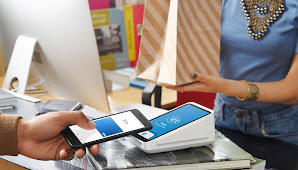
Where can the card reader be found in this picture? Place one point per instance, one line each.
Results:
(189, 125)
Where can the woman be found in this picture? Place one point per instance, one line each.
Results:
(258, 83)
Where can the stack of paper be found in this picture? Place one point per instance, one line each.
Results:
(222, 154)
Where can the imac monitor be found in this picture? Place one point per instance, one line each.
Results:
(65, 57)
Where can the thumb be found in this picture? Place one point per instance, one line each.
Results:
(199, 77)
(75, 118)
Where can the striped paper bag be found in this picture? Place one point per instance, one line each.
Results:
(179, 37)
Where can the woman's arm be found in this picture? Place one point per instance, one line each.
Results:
(284, 91)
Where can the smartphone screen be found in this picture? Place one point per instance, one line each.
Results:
(108, 126)
(173, 120)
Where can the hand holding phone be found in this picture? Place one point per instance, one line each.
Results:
(107, 128)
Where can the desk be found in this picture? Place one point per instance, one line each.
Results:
(116, 99)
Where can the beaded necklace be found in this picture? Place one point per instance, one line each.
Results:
(260, 14)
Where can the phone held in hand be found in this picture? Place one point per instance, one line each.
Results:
(107, 128)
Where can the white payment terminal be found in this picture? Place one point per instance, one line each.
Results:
(189, 125)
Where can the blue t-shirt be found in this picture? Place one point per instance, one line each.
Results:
(265, 60)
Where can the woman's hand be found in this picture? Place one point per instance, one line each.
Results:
(39, 137)
(203, 84)
(214, 84)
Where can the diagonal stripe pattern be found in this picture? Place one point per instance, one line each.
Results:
(195, 46)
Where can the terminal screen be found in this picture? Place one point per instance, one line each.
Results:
(173, 120)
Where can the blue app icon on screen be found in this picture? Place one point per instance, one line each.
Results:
(107, 127)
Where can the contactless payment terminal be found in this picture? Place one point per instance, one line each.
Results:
(173, 120)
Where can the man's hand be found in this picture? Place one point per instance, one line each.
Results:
(39, 137)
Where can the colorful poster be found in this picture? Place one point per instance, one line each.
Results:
(111, 39)
(133, 22)
(102, 4)
(138, 16)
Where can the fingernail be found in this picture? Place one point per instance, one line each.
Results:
(194, 75)
(91, 124)
(63, 154)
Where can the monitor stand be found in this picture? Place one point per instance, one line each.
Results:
(20, 63)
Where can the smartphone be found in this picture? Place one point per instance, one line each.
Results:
(107, 128)
(174, 119)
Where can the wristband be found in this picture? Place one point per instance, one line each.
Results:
(253, 92)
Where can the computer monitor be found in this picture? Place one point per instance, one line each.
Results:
(66, 55)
